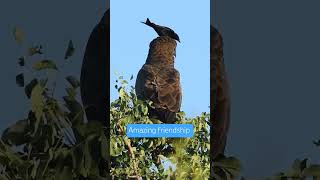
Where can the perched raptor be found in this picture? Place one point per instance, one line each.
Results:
(159, 81)
(162, 30)
(220, 98)
(94, 82)
(95, 72)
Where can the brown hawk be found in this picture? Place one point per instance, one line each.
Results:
(219, 99)
(159, 81)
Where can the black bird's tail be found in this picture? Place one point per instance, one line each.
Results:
(148, 22)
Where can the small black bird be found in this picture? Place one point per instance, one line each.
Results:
(162, 30)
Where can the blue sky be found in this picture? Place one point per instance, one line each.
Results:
(130, 42)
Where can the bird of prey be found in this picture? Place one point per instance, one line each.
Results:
(162, 30)
(94, 83)
(94, 76)
(220, 98)
(159, 81)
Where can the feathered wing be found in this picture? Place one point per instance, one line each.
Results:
(220, 98)
(144, 84)
(169, 90)
(162, 87)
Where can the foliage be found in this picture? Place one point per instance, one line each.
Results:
(146, 158)
(53, 141)
(155, 158)
(226, 168)
(300, 169)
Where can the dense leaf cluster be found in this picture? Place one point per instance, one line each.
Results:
(155, 158)
(53, 141)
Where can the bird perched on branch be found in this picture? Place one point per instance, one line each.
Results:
(94, 84)
(159, 81)
(94, 73)
(162, 30)
(220, 97)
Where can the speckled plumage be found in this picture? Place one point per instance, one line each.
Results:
(159, 81)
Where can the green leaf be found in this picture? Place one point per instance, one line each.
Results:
(44, 64)
(87, 157)
(28, 89)
(18, 34)
(75, 108)
(113, 151)
(122, 93)
(17, 134)
(124, 82)
(228, 163)
(71, 92)
(20, 80)
(312, 170)
(69, 51)
(37, 101)
(35, 168)
(150, 144)
(145, 110)
(73, 81)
